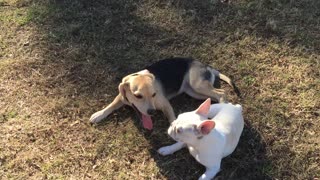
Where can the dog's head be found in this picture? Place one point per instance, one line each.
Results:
(191, 126)
(139, 90)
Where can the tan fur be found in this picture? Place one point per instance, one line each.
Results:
(204, 87)
(141, 84)
(226, 79)
(145, 85)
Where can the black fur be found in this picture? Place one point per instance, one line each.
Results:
(217, 82)
(207, 75)
(170, 72)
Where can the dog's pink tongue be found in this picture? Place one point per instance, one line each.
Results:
(147, 122)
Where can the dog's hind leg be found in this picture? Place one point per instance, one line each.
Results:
(201, 80)
(194, 94)
(98, 116)
(204, 87)
(230, 82)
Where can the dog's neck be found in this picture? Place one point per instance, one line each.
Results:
(203, 141)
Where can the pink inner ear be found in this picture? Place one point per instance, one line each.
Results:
(204, 108)
(206, 126)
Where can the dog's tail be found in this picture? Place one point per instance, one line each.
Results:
(230, 82)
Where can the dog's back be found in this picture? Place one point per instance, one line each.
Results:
(170, 72)
(229, 122)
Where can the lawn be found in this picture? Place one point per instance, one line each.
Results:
(62, 60)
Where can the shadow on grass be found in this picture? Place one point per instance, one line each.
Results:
(95, 43)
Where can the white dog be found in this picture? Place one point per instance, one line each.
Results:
(208, 140)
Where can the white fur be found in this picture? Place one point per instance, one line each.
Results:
(207, 149)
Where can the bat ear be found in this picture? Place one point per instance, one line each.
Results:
(204, 108)
(206, 126)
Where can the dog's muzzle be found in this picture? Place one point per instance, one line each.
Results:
(151, 112)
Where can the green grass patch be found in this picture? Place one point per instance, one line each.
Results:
(24, 15)
(4, 117)
(16, 16)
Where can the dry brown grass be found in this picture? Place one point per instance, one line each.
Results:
(60, 61)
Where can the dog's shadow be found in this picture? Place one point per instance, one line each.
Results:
(250, 153)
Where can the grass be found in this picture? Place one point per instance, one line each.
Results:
(60, 61)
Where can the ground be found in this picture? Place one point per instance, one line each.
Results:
(62, 60)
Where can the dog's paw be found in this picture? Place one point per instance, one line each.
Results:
(96, 117)
(203, 177)
(166, 150)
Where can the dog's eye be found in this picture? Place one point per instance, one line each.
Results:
(154, 94)
(179, 130)
(138, 96)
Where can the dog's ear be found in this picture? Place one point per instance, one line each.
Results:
(204, 108)
(122, 88)
(151, 76)
(206, 126)
(124, 85)
(145, 72)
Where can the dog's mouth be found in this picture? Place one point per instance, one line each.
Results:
(146, 120)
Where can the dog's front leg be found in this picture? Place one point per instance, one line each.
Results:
(167, 109)
(210, 172)
(116, 104)
(170, 113)
(166, 150)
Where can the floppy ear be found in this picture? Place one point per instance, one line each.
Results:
(204, 108)
(122, 87)
(151, 76)
(206, 126)
(124, 84)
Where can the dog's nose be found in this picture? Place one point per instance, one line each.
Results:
(151, 111)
